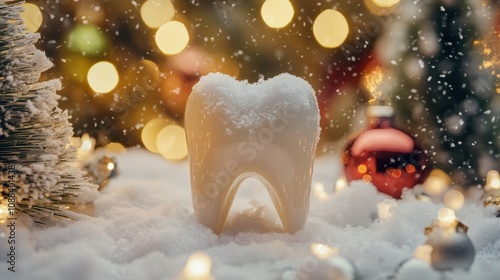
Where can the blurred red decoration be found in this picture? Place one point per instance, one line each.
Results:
(384, 155)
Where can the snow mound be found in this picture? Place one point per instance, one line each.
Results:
(144, 228)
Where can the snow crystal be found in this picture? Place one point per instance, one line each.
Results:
(144, 228)
(421, 63)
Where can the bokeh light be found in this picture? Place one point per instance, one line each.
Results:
(453, 199)
(87, 40)
(171, 142)
(150, 132)
(115, 148)
(323, 251)
(32, 16)
(319, 191)
(277, 13)
(437, 182)
(156, 13)
(382, 7)
(172, 37)
(330, 28)
(385, 3)
(198, 266)
(102, 77)
(446, 218)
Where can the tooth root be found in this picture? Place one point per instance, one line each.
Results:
(215, 186)
(212, 199)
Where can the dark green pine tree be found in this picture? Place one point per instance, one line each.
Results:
(38, 173)
(441, 91)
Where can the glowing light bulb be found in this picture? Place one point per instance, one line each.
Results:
(423, 252)
(198, 267)
(319, 191)
(277, 13)
(330, 28)
(385, 209)
(323, 251)
(492, 180)
(446, 218)
(103, 77)
(85, 147)
(340, 184)
(4, 213)
(32, 16)
(453, 199)
(110, 166)
(155, 13)
(172, 37)
(87, 143)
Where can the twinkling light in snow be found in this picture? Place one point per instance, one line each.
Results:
(340, 184)
(319, 191)
(171, 142)
(446, 218)
(323, 251)
(155, 13)
(386, 208)
(103, 77)
(198, 267)
(423, 252)
(277, 13)
(150, 133)
(330, 28)
(32, 16)
(453, 199)
(172, 37)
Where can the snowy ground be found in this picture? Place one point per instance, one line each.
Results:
(144, 228)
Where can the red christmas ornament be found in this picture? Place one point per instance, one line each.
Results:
(384, 155)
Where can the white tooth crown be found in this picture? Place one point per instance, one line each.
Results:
(268, 130)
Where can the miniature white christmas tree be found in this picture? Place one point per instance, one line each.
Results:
(37, 167)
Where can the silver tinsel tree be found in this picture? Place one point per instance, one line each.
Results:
(37, 165)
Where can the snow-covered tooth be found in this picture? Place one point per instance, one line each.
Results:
(268, 130)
